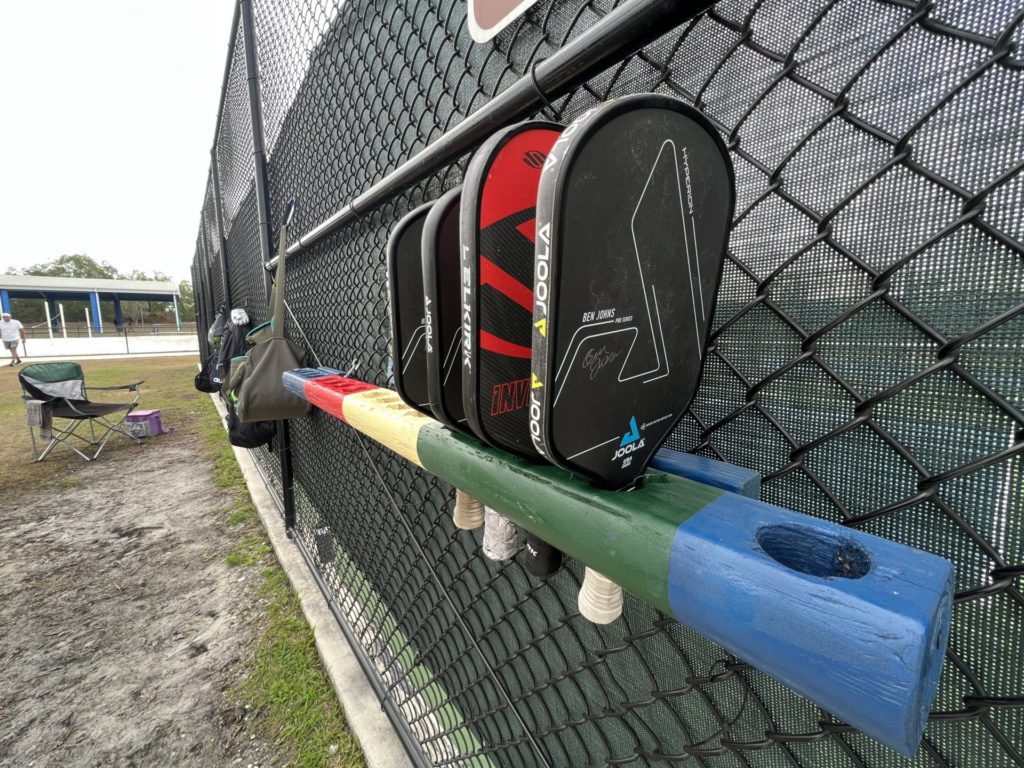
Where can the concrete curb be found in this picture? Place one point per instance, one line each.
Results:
(367, 721)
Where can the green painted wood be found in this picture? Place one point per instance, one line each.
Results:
(627, 536)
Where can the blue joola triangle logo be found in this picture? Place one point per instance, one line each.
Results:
(633, 435)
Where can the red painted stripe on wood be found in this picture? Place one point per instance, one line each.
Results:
(328, 392)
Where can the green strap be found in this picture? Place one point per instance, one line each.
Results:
(277, 292)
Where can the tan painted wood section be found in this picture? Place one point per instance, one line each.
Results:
(381, 415)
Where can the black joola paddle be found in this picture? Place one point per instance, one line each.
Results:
(443, 310)
(408, 332)
(633, 214)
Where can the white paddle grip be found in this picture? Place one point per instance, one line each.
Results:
(501, 536)
(468, 513)
(600, 599)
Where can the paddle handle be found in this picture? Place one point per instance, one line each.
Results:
(600, 598)
(468, 513)
(502, 537)
(540, 558)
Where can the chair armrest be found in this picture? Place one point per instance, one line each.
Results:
(120, 386)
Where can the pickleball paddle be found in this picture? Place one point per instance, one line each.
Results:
(408, 331)
(442, 316)
(413, 282)
(499, 195)
(633, 213)
(443, 304)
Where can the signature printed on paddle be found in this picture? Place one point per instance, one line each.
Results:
(596, 359)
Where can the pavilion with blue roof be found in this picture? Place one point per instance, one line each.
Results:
(94, 290)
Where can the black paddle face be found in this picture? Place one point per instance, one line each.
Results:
(497, 228)
(405, 286)
(633, 214)
(442, 310)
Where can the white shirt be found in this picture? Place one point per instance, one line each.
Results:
(10, 330)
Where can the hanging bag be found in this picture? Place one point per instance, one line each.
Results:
(261, 395)
(204, 379)
(251, 434)
(217, 329)
(232, 346)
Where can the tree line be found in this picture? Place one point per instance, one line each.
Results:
(31, 311)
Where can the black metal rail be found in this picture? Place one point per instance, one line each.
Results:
(622, 32)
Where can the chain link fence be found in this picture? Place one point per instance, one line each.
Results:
(867, 356)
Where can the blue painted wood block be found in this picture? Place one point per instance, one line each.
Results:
(719, 474)
(856, 623)
(295, 380)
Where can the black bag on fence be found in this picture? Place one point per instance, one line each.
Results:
(206, 380)
(249, 434)
(232, 345)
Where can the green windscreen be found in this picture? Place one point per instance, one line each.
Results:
(867, 356)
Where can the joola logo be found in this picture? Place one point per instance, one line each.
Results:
(535, 418)
(540, 311)
(631, 441)
(534, 159)
(627, 449)
(553, 156)
(633, 435)
(428, 324)
(540, 281)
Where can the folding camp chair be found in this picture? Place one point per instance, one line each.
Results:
(58, 405)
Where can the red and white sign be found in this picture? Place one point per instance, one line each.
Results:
(488, 17)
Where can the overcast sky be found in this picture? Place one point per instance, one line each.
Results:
(108, 110)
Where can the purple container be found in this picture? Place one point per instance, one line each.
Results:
(145, 423)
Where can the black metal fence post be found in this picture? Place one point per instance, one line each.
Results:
(218, 209)
(287, 493)
(256, 120)
(283, 442)
(206, 274)
(199, 300)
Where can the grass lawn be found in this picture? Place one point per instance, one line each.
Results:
(168, 386)
(284, 681)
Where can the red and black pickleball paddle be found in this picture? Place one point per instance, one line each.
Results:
(442, 302)
(408, 332)
(497, 228)
(499, 197)
(633, 214)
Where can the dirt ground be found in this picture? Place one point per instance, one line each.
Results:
(121, 626)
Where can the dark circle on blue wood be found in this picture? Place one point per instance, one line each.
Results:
(814, 551)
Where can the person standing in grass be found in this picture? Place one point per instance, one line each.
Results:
(12, 333)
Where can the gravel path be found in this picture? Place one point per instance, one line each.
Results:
(121, 627)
